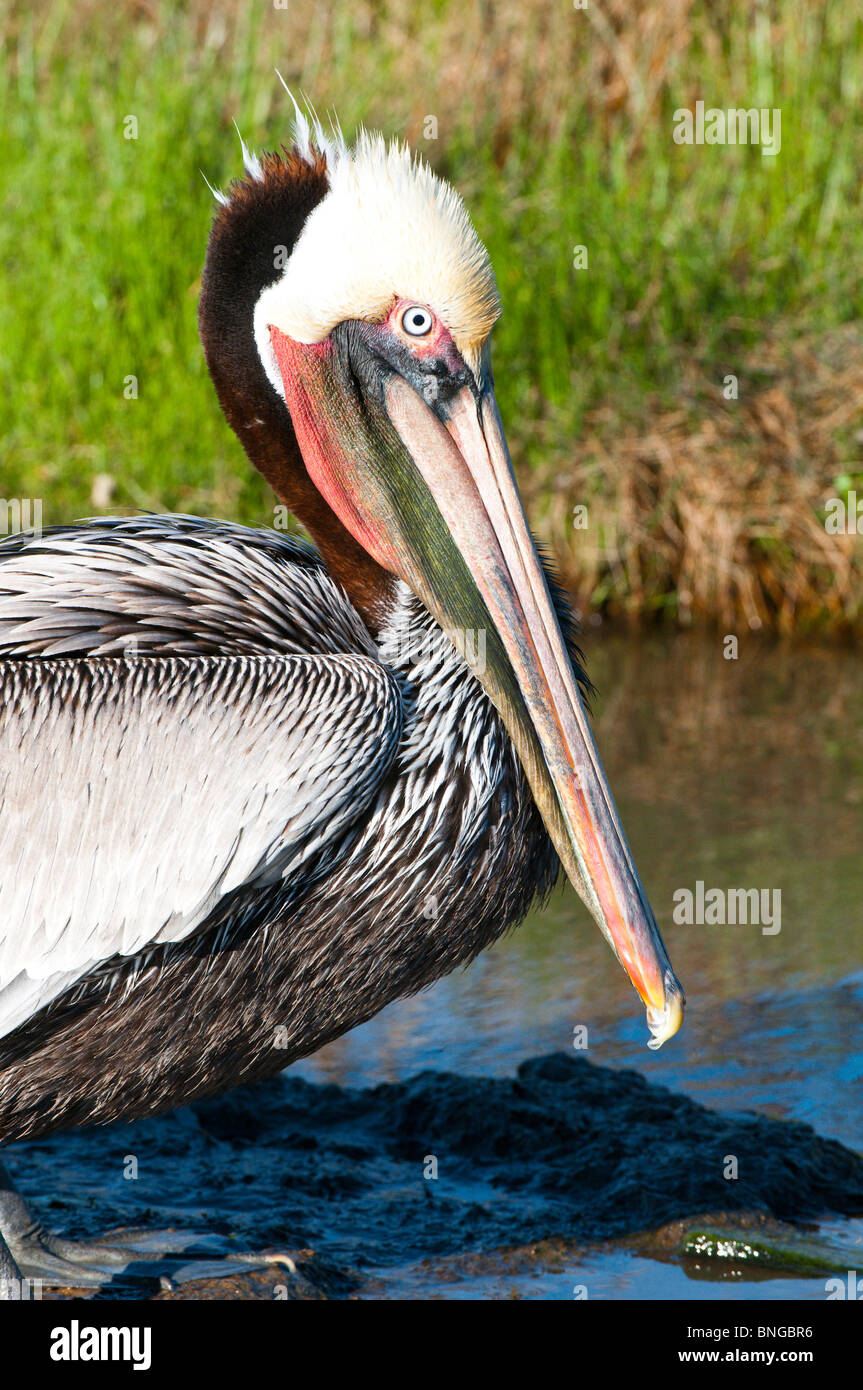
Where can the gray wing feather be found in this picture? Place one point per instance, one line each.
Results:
(134, 795)
(169, 585)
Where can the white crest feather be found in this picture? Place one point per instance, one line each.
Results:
(309, 137)
(219, 197)
(251, 163)
(388, 228)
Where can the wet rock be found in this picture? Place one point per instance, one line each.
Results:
(563, 1151)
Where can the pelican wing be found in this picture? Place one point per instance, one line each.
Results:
(169, 586)
(136, 794)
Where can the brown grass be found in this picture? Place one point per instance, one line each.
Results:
(719, 504)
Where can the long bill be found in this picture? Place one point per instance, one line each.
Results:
(431, 494)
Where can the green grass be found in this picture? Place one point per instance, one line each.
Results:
(695, 252)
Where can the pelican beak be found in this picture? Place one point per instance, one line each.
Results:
(414, 462)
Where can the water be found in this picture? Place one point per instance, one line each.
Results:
(740, 774)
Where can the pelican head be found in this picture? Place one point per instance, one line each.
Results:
(372, 382)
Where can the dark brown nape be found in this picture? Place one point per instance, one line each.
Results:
(242, 259)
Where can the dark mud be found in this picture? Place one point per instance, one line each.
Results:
(565, 1151)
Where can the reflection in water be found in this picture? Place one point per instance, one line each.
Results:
(740, 774)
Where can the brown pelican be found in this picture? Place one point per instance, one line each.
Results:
(252, 791)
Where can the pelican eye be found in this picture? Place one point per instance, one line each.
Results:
(417, 321)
